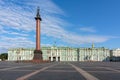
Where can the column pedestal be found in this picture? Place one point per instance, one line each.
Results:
(37, 55)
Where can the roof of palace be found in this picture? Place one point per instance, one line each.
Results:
(54, 47)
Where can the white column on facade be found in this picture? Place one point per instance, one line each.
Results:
(21, 52)
(79, 54)
(60, 54)
(66, 54)
(51, 54)
(92, 54)
(73, 55)
(89, 54)
(70, 54)
(99, 53)
(57, 55)
(85, 54)
(106, 55)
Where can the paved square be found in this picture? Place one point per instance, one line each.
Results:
(60, 71)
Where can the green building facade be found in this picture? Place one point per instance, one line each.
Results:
(61, 54)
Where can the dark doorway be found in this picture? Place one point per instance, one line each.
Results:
(58, 59)
(49, 58)
(54, 59)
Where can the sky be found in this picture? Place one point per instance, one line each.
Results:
(71, 23)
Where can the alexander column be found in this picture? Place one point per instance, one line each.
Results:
(37, 51)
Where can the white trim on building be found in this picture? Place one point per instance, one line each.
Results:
(61, 54)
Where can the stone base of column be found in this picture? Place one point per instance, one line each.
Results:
(37, 55)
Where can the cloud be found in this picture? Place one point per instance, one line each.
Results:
(80, 39)
(13, 42)
(17, 23)
(19, 15)
(2, 30)
(87, 29)
(18, 34)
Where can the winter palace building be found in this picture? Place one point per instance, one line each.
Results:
(61, 54)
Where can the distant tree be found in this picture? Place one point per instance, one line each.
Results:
(4, 56)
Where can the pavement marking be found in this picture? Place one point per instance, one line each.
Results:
(62, 67)
(111, 69)
(14, 68)
(33, 73)
(86, 75)
(102, 71)
(21, 70)
(59, 71)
